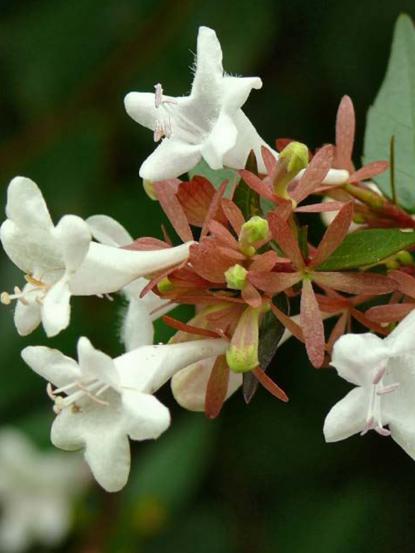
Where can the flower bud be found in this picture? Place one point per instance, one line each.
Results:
(292, 160)
(242, 354)
(236, 277)
(405, 258)
(254, 230)
(165, 285)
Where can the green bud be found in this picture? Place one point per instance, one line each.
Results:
(242, 354)
(236, 277)
(295, 154)
(165, 285)
(254, 230)
(149, 189)
(405, 258)
(392, 264)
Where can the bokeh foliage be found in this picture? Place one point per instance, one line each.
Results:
(260, 479)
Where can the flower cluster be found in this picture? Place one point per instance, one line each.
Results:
(246, 264)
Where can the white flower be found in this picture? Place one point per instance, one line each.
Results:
(62, 261)
(384, 374)
(37, 490)
(101, 402)
(208, 123)
(137, 326)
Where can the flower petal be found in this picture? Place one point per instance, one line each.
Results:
(221, 140)
(209, 70)
(141, 107)
(145, 416)
(137, 327)
(27, 316)
(237, 89)
(56, 309)
(51, 364)
(357, 357)
(171, 158)
(100, 431)
(96, 364)
(108, 231)
(401, 340)
(348, 416)
(26, 205)
(74, 237)
(190, 384)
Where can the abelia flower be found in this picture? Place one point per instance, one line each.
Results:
(37, 493)
(102, 402)
(383, 372)
(208, 123)
(62, 261)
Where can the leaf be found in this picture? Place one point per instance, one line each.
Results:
(368, 247)
(216, 177)
(245, 198)
(393, 114)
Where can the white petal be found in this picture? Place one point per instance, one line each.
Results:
(348, 416)
(141, 107)
(56, 309)
(96, 364)
(74, 237)
(237, 89)
(51, 364)
(107, 269)
(401, 340)
(145, 416)
(146, 369)
(171, 158)
(247, 139)
(35, 251)
(26, 206)
(189, 385)
(398, 406)
(108, 231)
(137, 327)
(99, 430)
(357, 357)
(221, 139)
(27, 316)
(156, 307)
(208, 66)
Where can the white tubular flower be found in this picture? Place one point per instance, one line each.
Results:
(101, 402)
(62, 261)
(383, 372)
(190, 384)
(137, 326)
(208, 123)
(37, 490)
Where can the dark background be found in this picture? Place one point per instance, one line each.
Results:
(260, 479)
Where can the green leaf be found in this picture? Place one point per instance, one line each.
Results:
(368, 247)
(393, 115)
(245, 198)
(216, 177)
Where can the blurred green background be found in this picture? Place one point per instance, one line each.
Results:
(260, 479)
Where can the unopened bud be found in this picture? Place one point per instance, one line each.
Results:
(242, 354)
(236, 277)
(165, 285)
(254, 230)
(149, 189)
(405, 258)
(295, 154)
